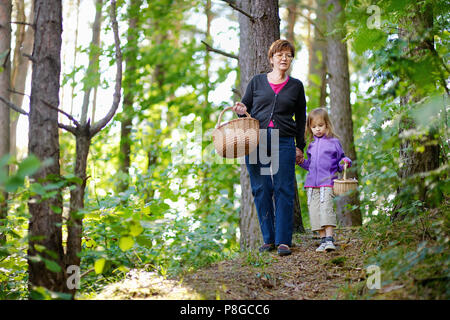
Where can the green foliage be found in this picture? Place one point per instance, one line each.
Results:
(13, 264)
(177, 216)
(412, 253)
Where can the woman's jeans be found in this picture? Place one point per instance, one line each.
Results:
(273, 186)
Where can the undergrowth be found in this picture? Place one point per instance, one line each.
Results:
(412, 256)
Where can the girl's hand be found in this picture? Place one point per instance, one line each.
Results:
(299, 157)
(346, 161)
(239, 108)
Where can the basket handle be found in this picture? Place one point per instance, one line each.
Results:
(228, 108)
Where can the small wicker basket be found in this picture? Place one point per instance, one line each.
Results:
(236, 138)
(342, 186)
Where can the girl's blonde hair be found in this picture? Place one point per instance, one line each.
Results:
(322, 114)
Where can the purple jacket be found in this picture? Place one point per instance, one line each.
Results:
(324, 155)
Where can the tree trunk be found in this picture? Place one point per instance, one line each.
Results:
(92, 70)
(290, 36)
(75, 50)
(341, 111)
(205, 200)
(5, 69)
(19, 70)
(291, 20)
(255, 40)
(298, 221)
(413, 162)
(75, 221)
(130, 76)
(317, 49)
(45, 223)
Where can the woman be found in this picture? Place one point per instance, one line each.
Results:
(273, 99)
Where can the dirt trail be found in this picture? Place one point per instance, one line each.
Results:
(303, 275)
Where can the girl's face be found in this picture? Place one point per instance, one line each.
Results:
(318, 127)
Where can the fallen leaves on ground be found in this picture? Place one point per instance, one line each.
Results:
(305, 274)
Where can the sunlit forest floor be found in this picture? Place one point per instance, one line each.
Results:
(252, 276)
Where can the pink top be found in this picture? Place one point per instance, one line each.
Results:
(276, 87)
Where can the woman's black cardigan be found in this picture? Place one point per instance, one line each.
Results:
(263, 104)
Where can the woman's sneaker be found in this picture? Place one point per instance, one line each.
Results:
(267, 247)
(283, 250)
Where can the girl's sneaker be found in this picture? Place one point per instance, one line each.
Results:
(329, 244)
(321, 248)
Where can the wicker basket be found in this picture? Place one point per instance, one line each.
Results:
(236, 138)
(344, 185)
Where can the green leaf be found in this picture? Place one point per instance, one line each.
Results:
(126, 243)
(28, 166)
(13, 183)
(56, 209)
(73, 179)
(99, 265)
(136, 229)
(38, 189)
(39, 248)
(52, 265)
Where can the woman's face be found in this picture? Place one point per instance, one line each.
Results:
(282, 60)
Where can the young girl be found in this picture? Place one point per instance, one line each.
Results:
(325, 158)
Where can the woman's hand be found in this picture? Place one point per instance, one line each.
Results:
(299, 157)
(239, 108)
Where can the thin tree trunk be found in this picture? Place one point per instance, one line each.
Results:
(75, 221)
(341, 111)
(203, 174)
(84, 134)
(19, 70)
(291, 20)
(5, 69)
(290, 36)
(75, 50)
(255, 40)
(45, 223)
(93, 66)
(317, 66)
(128, 111)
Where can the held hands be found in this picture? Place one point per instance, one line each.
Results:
(299, 157)
(239, 108)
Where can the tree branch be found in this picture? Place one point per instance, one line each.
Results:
(13, 106)
(237, 92)
(61, 111)
(96, 127)
(24, 23)
(32, 59)
(17, 92)
(311, 22)
(233, 5)
(229, 55)
(71, 129)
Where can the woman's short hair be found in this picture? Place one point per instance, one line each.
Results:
(280, 45)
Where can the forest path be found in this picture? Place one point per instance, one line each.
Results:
(253, 276)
